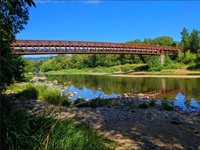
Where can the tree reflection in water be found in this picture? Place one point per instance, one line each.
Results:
(112, 85)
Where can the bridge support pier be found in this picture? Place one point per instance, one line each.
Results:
(163, 84)
(162, 59)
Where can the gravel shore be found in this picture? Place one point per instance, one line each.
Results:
(133, 129)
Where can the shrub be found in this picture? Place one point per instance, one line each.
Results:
(78, 100)
(166, 105)
(98, 102)
(51, 95)
(65, 101)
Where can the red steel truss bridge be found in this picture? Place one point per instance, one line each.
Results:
(26, 47)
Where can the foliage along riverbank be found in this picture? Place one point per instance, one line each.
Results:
(129, 69)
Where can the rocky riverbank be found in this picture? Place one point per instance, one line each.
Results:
(136, 128)
(133, 121)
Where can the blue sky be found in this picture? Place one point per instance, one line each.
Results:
(110, 21)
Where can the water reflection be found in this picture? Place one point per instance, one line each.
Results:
(186, 90)
(88, 93)
(186, 104)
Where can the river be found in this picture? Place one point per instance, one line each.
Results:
(185, 92)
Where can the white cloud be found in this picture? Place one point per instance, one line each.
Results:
(92, 1)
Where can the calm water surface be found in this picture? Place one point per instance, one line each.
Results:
(184, 91)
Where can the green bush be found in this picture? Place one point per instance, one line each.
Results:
(98, 102)
(78, 100)
(166, 105)
(65, 101)
(52, 95)
(154, 63)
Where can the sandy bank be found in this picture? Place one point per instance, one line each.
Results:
(157, 76)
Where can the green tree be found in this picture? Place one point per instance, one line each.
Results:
(163, 41)
(180, 57)
(153, 63)
(136, 59)
(37, 65)
(147, 41)
(189, 57)
(47, 66)
(28, 65)
(185, 39)
(137, 41)
(14, 15)
(194, 41)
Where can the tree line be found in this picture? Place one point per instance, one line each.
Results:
(189, 42)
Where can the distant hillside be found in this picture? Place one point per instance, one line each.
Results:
(38, 59)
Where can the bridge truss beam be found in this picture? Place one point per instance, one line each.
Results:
(26, 47)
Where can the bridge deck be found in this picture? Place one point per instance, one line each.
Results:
(25, 47)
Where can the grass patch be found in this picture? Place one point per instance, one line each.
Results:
(41, 92)
(98, 102)
(26, 131)
(106, 70)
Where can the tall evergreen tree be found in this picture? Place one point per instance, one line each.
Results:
(194, 41)
(185, 39)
